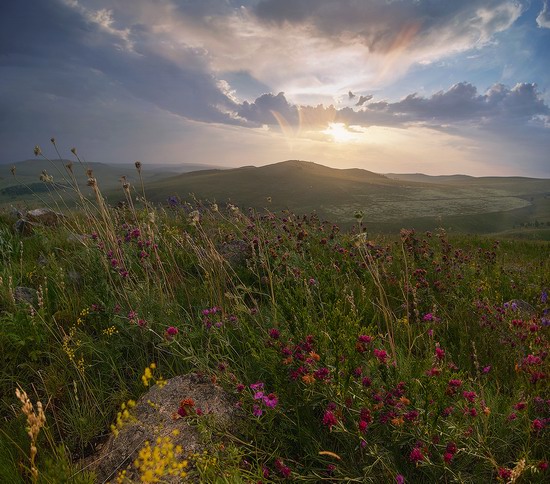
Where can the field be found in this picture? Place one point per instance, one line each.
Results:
(414, 356)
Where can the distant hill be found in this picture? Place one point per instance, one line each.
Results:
(460, 202)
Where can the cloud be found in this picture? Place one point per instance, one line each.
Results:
(364, 99)
(543, 19)
(65, 34)
(460, 103)
(383, 27)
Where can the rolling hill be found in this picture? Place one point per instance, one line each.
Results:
(461, 203)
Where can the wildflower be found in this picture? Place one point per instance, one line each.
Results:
(322, 374)
(486, 369)
(455, 383)
(271, 400)
(538, 424)
(447, 411)
(512, 416)
(282, 469)
(504, 473)
(470, 396)
(274, 333)
(258, 395)
(366, 381)
(257, 411)
(329, 419)
(439, 352)
(542, 465)
(257, 386)
(416, 455)
(382, 355)
(171, 331)
(433, 371)
(520, 406)
(448, 457)
(399, 479)
(363, 424)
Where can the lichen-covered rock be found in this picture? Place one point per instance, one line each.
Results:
(156, 415)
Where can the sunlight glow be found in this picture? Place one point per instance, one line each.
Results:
(340, 133)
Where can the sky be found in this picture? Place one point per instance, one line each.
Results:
(391, 86)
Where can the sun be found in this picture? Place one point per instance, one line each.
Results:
(340, 133)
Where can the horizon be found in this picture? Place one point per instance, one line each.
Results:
(404, 87)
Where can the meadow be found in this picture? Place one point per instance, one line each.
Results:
(417, 356)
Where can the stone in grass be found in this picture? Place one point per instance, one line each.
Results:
(24, 227)
(26, 295)
(154, 416)
(45, 216)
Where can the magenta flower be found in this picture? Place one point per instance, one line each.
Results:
(258, 395)
(399, 479)
(439, 353)
(271, 400)
(416, 455)
(538, 425)
(382, 355)
(329, 419)
(257, 411)
(171, 331)
(257, 386)
(274, 333)
(470, 396)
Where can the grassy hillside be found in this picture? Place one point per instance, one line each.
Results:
(415, 357)
(464, 204)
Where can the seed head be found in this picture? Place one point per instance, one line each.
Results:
(138, 166)
(73, 151)
(52, 139)
(37, 151)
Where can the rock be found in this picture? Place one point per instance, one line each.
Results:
(24, 227)
(25, 294)
(45, 216)
(154, 417)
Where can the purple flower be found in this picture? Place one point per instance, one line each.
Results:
(271, 400)
(257, 386)
(257, 411)
(399, 479)
(258, 395)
